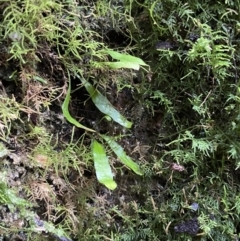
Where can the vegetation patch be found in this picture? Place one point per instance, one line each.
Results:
(119, 120)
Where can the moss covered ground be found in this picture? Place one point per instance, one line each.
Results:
(119, 120)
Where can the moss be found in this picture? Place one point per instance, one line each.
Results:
(184, 110)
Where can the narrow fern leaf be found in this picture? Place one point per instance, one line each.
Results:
(102, 167)
(103, 104)
(125, 60)
(119, 65)
(66, 113)
(126, 57)
(121, 154)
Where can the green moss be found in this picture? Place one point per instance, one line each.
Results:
(189, 104)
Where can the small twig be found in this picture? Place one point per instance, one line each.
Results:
(205, 98)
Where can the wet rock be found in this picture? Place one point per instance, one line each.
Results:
(190, 226)
(194, 206)
(193, 37)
